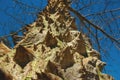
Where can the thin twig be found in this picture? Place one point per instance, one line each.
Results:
(99, 13)
(82, 18)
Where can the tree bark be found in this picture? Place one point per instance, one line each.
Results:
(52, 49)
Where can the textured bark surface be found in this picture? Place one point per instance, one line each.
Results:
(52, 49)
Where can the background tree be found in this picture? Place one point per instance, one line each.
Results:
(97, 19)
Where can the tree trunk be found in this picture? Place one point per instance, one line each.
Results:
(52, 49)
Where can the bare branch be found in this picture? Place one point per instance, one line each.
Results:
(29, 6)
(82, 18)
(103, 12)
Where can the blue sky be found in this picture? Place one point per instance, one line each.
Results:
(14, 15)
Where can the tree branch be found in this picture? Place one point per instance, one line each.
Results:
(82, 18)
(106, 11)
